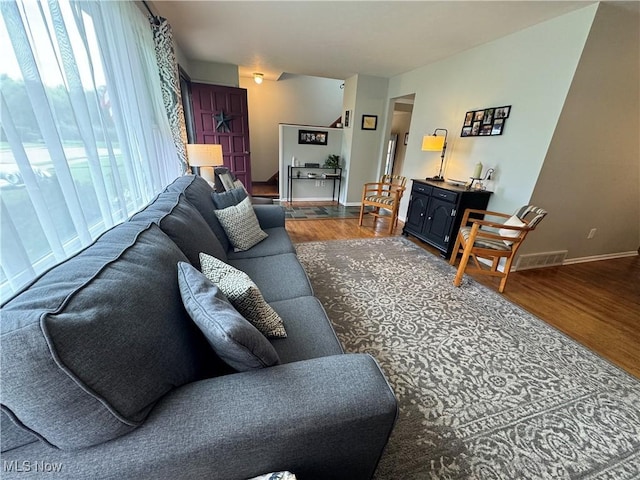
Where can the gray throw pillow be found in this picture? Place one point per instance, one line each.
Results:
(241, 225)
(244, 295)
(229, 198)
(234, 339)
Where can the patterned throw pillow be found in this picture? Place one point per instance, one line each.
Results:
(241, 225)
(234, 339)
(244, 295)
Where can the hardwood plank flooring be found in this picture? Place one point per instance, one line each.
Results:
(595, 303)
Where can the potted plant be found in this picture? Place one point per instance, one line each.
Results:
(332, 161)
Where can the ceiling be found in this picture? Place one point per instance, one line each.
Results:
(339, 39)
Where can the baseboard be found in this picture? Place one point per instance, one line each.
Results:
(596, 258)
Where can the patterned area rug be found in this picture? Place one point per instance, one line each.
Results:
(486, 390)
(317, 213)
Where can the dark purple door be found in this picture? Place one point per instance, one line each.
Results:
(221, 116)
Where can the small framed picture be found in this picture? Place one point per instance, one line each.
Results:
(369, 122)
(466, 131)
(497, 127)
(347, 118)
(312, 137)
(478, 116)
(406, 138)
(503, 112)
(468, 119)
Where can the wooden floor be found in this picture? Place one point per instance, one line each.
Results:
(595, 303)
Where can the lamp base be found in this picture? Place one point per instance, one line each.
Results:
(437, 178)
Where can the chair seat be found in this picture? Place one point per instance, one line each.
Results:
(384, 199)
(484, 242)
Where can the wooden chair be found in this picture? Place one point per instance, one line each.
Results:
(492, 240)
(385, 194)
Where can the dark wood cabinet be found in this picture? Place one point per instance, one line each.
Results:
(436, 209)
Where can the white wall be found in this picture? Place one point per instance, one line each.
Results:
(307, 190)
(530, 70)
(294, 99)
(213, 73)
(363, 149)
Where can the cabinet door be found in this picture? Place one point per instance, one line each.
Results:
(417, 212)
(439, 222)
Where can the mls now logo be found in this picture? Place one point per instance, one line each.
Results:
(27, 466)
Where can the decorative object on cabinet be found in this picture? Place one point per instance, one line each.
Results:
(331, 174)
(369, 122)
(312, 137)
(477, 177)
(436, 209)
(436, 143)
(485, 122)
(494, 241)
(385, 194)
(204, 155)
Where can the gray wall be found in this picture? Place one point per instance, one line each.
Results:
(591, 173)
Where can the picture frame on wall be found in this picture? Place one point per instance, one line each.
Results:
(347, 118)
(369, 122)
(486, 122)
(312, 137)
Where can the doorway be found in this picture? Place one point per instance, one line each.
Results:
(399, 136)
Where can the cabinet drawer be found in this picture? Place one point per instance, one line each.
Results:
(444, 195)
(421, 188)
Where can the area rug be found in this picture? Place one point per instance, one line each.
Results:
(320, 212)
(486, 390)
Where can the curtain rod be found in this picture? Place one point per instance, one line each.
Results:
(148, 9)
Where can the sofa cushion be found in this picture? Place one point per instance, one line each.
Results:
(309, 331)
(182, 222)
(241, 225)
(90, 347)
(277, 242)
(279, 277)
(244, 295)
(12, 435)
(229, 198)
(233, 338)
(198, 192)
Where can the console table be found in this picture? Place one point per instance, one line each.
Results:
(436, 209)
(296, 173)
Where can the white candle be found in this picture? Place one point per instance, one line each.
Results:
(477, 172)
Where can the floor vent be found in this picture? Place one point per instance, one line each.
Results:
(538, 260)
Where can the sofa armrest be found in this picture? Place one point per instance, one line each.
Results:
(269, 216)
(328, 417)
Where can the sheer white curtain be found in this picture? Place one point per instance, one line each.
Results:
(84, 139)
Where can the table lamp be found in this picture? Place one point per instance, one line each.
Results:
(435, 143)
(204, 155)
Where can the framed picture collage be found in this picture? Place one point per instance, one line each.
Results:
(486, 122)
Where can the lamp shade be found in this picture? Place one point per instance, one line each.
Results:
(432, 143)
(204, 155)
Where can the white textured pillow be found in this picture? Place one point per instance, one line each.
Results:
(512, 222)
(244, 295)
(241, 225)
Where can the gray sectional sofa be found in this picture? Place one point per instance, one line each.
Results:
(105, 376)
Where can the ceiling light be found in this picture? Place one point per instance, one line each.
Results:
(258, 77)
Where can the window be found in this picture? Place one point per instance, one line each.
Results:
(84, 139)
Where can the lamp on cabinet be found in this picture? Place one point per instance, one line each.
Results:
(436, 143)
(204, 155)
